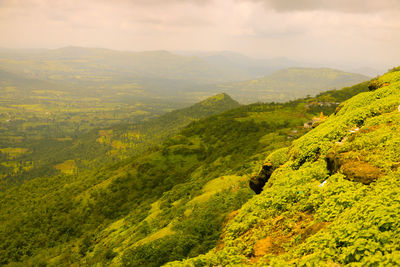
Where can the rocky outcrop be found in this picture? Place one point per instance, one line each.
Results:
(354, 170)
(273, 161)
(332, 163)
(258, 181)
(376, 84)
(361, 171)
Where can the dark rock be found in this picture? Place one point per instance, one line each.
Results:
(374, 85)
(332, 163)
(258, 181)
(338, 108)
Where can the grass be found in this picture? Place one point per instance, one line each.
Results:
(217, 185)
(157, 235)
(67, 167)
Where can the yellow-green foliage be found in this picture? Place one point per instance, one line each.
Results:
(278, 157)
(67, 167)
(343, 222)
(353, 113)
(154, 211)
(217, 185)
(17, 166)
(13, 152)
(169, 203)
(157, 235)
(212, 100)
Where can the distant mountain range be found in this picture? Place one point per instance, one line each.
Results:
(252, 66)
(266, 66)
(77, 64)
(164, 75)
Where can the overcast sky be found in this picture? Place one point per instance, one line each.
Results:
(365, 32)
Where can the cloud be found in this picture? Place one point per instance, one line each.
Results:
(352, 6)
(339, 30)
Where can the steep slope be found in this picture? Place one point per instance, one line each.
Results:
(333, 198)
(292, 83)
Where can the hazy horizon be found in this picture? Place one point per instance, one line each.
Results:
(356, 34)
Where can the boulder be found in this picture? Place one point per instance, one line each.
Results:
(360, 171)
(354, 170)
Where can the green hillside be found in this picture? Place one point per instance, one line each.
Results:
(333, 197)
(169, 123)
(292, 83)
(164, 204)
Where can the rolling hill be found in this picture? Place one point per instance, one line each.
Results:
(290, 84)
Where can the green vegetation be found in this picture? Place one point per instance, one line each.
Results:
(63, 128)
(121, 180)
(54, 103)
(167, 203)
(54, 124)
(333, 201)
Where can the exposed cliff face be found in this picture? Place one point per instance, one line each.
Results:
(333, 196)
(258, 181)
(273, 161)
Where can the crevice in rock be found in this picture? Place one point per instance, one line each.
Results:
(258, 181)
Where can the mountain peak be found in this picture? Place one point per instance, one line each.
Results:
(219, 99)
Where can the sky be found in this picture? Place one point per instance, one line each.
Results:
(359, 32)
